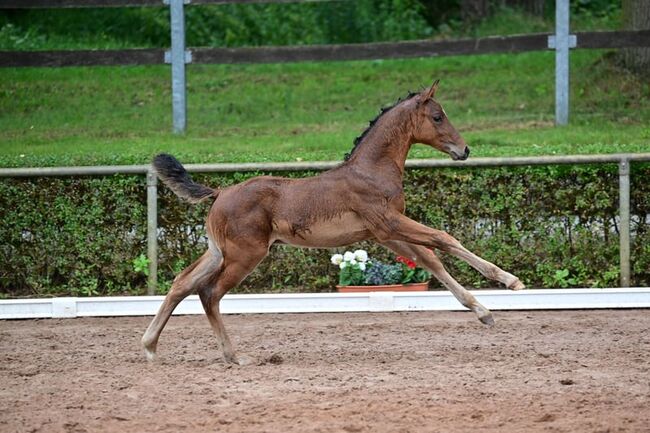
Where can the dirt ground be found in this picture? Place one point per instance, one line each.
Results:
(570, 371)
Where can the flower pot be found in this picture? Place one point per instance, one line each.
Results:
(414, 287)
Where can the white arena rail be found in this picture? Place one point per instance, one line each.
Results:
(534, 299)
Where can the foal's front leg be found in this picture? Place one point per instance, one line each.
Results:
(394, 226)
(426, 258)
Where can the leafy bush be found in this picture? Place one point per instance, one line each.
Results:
(234, 25)
(551, 226)
(228, 25)
(75, 236)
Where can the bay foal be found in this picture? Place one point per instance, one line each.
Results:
(361, 199)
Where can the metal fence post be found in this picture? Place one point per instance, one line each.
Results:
(152, 231)
(624, 215)
(562, 41)
(178, 57)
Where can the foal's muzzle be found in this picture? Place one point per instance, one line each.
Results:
(459, 157)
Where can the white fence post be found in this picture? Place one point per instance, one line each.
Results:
(624, 215)
(152, 231)
(562, 41)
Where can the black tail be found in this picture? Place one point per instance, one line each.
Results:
(174, 175)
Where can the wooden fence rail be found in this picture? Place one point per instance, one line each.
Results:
(370, 51)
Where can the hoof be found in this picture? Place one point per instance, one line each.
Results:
(149, 348)
(241, 360)
(245, 360)
(487, 319)
(150, 354)
(484, 315)
(516, 285)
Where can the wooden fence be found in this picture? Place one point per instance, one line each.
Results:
(369, 51)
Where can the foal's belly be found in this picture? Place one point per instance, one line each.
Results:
(338, 231)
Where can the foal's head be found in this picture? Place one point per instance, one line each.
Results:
(432, 126)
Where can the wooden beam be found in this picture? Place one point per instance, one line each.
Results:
(383, 50)
(147, 56)
(619, 39)
(41, 4)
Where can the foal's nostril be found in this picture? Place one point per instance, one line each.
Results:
(466, 151)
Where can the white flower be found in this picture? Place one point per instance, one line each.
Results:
(342, 265)
(352, 262)
(348, 256)
(362, 266)
(361, 256)
(337, 259)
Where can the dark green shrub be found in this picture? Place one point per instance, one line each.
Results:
(551, 226)
(71, 236)
(228, 25)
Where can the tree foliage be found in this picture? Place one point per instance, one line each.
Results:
(223, 25)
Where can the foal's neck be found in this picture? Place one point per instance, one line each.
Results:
(386, 145)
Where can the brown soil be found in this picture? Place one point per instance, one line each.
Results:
(567, 371)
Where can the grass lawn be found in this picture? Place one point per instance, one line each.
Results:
(503, 105)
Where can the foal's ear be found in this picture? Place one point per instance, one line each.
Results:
(432, 91)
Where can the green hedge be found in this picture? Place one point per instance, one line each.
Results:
(552, 226)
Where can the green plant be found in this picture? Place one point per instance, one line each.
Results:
(88, 286)
(561, 278)
(141, 264)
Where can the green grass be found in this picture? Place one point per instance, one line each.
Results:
(503, 105)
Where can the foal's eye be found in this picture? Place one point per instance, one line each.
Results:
(437, 119)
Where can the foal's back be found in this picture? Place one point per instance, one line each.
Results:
(315, 211)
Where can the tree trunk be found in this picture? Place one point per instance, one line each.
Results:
(636, 16)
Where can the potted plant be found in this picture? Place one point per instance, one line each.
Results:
(357, 273)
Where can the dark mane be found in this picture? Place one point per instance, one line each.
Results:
(359, 139)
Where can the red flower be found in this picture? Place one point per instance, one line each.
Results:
(409, 263)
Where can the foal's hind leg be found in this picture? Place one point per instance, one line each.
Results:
(238, 263)
(197, 275)
(426, 258)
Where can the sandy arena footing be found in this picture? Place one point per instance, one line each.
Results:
(570, 371)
